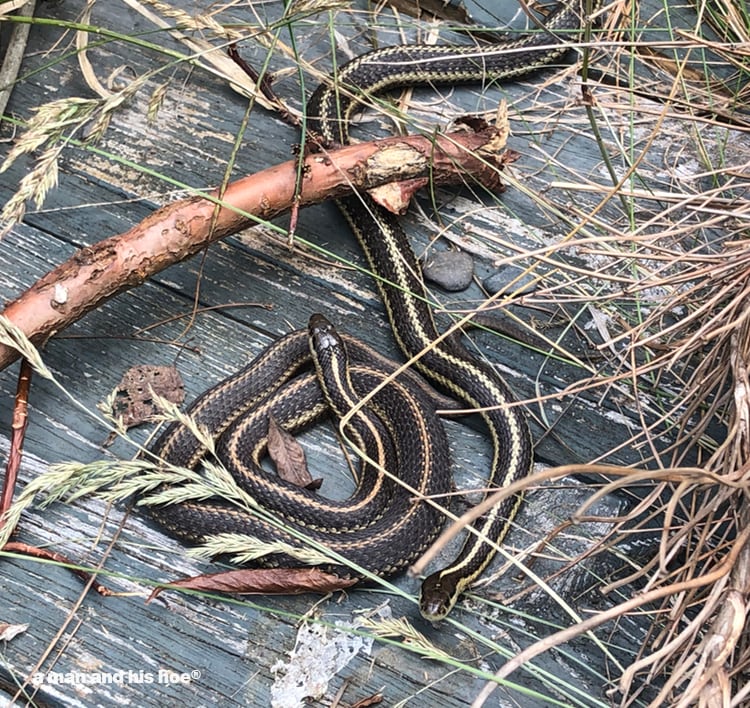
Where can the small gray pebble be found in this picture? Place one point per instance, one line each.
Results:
(509, 278)
(451, 270)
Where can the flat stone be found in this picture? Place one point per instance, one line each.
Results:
(451, 270)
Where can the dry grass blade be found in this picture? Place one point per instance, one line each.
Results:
(15, 48)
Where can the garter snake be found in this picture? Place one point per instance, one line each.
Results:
(230, 409)
(444, 361)
(379, 528)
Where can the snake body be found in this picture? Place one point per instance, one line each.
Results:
(445, 361)
(379, 528)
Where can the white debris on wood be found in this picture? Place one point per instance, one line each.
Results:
(319, 653)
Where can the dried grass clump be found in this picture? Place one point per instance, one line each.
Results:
(699, 639)
(666, 263)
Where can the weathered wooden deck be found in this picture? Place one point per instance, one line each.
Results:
(248, 290)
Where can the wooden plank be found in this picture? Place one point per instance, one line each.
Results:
(234, 643)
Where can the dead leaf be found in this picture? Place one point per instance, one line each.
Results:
(262, 581)
(372, 700)
(134, 401)
(11, 631)
(48, 554)
(289, 457)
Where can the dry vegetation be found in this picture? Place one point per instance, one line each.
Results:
(667, 252)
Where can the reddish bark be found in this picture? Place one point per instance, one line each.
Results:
(181, 229)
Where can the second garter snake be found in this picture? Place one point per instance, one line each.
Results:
(445, 361)
(381, 527)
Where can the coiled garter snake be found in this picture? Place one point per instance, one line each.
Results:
(377, 526)
(445, 361)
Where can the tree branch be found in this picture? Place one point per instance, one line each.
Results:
(179, 230)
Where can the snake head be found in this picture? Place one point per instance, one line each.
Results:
(437, 597)
(322, 332)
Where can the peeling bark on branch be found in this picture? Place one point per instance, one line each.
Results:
(181, 229)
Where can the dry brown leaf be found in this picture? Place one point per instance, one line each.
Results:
(289, 457)
(262, 581)
(134, 401)
(372, 700)
(11, 631)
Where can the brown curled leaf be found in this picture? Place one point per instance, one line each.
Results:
(47, 554)
(261, 581)
(289, 457)
(372, 700)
